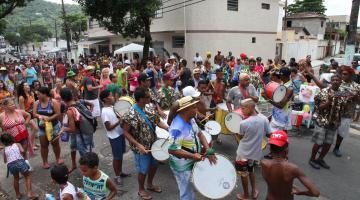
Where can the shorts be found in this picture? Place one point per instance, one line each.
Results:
(56, 130)
(73, 142)
(84, 143)
(344, 128)
(244, 167)
(23, 142)
(96, 110)
(323, 135)
(18, 166)
(143, 162)
(118, 147)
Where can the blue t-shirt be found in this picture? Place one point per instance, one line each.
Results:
(30, 72)
(150, 73)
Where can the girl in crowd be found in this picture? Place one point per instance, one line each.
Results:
(35, 88)
(47, 109)
(4, 93)
(26, 101)
(133, 76)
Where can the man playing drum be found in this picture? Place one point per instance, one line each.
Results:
(243, 91)
(280, 174)
(187, 142)
(139, 130)
(167, 93)
(249, 151)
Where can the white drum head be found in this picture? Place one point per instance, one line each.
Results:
(214, 181)
(279, 93)
(161, 133)
(207, 136)
(232, 122)
(222, 106)
(122, 107)
(213, 127)
(159, 150)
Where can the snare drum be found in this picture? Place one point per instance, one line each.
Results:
(209, 182)
(232, 120)
(275, 91)
(161, 133)
(220, 114)
(123, 105)
(213, 128)
(159, 150)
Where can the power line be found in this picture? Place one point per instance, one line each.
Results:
(176, 4)
(183, 6)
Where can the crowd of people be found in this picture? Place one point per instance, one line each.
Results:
(45, 101)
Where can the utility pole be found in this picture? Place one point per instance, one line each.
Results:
(66, 29)
(351, 40)
(286, 10)
(56, 34)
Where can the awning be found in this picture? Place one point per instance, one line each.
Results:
(90, 42)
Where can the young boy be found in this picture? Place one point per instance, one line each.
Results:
(113, 87)
(60, 176)
(279, 174)
(249, 152)
(97, 184)
(114, 132)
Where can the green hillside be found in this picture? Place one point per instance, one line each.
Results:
(39, 12)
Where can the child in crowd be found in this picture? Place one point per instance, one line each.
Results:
(97, 185)
(16, 164)
(280, 174)
(60, 176)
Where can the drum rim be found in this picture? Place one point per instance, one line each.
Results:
(273, 93)
(164, 144)
(232, 165)
(212, 121)
(226, 121)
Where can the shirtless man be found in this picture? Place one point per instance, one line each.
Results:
(218, 95)
(280, 174)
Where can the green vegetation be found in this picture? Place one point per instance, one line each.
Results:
(36, 22)
(6, 7)
(316, 6)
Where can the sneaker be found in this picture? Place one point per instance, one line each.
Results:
(314, 164)
(323, 164)
(337, 153)
(119, 181)
(30, 167)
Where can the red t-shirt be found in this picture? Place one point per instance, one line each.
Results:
(60, 70)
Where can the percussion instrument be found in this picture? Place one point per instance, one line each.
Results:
(220, 114)
(167, 115)
(213, 128)
(214, 181)
(161, 133)
(159, 149)
(123, 105)
(232, 120)
(275, 91)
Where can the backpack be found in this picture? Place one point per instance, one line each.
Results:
(87, 123)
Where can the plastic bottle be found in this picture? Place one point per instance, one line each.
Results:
(49, 197)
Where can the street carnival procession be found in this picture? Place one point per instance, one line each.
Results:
(212, 114)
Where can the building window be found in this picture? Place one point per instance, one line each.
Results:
(289, 24)
(322, 24)
(178, 41)
(233, 5)
(91, 23)
(159, 13)
(253, 39)
(265, 6)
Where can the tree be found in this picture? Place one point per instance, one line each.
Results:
(316, 6)
(128, 18)
(77, 25)
(7, 6)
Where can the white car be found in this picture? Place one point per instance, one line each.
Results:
(2, 51)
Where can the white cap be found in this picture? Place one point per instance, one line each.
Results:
(190, 91)
(167, 64)
(127, 62)
(172, 57)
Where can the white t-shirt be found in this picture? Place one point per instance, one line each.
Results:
(108, 115)
(69, 189)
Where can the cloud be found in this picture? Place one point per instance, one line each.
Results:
(65, 1)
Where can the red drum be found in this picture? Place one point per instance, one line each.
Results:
(275, 91)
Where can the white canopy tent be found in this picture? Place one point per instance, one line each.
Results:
(131, 49)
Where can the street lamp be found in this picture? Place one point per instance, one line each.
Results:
(17, 41)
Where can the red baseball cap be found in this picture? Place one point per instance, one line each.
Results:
(278, 138)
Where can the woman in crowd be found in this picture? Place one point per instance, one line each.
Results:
(4, 93)
(55, 92)
(133, 76)
(104, 78)
(45, 110)
(35, 88)
(26, 101)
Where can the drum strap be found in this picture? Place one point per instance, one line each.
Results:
(143, 115)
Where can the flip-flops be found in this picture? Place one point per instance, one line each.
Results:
(144, 196)
(156, 189)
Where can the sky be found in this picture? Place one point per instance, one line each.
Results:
(335, 7)
(65, 1)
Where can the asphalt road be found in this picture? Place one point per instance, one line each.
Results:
(341, 182)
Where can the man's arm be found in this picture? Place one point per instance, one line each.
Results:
(312, 190)
(132, 140)
(283, 102)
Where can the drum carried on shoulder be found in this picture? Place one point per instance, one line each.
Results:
(123, 105)
(275, 91)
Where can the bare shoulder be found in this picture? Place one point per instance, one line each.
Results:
(265, 163)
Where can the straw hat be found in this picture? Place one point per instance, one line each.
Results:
(186, 102)
(90, 67)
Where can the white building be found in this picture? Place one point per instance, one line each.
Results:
(248, 26)
(338, 21)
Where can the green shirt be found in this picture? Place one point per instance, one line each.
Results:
(114, 89)
(120, 83)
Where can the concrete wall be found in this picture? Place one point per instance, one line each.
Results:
(313, 25)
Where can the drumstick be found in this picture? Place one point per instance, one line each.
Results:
(152, 150)
(207, 117)
(165, 141)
